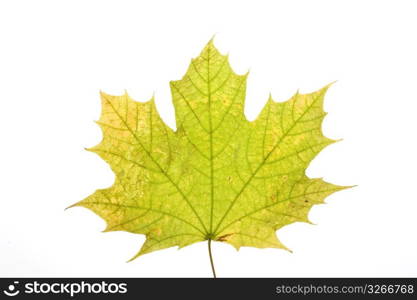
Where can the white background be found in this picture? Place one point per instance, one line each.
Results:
(55, 56)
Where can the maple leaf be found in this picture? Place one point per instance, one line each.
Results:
(218, 176)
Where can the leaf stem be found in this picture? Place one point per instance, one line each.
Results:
(211, 258)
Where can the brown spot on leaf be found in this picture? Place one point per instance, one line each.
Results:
(224, 238)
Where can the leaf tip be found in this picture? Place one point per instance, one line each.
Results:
(337, 140)
(297, 92)
(308, 221)
(103, 94)
(209, 47)
(131, 259)
(210, 43)
(73, 205)
(324, 89)
(135, 256)
(172, 84)
(348, 187)
(333, 82)
(211, 40)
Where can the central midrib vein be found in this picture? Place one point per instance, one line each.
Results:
(211, 145)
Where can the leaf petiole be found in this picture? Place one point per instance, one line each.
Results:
(211, 258)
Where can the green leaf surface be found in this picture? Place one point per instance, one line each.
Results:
(218, 176)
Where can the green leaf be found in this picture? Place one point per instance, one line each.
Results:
(218, 177)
